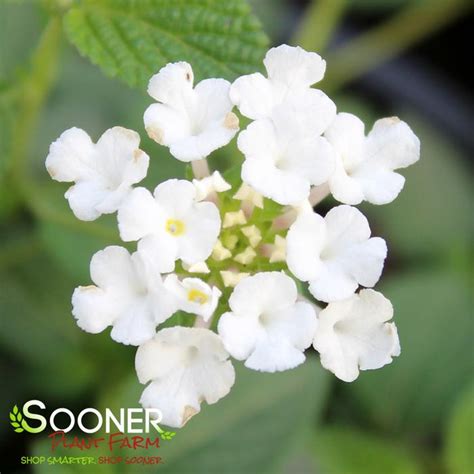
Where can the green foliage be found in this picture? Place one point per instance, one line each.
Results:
(343, 450)
(7, 104)
(39, 330)
(458, 453)
(132, 40)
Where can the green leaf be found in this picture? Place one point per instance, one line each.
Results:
(460, 435)
(132, 40)
(12, 417)
(15, 424)
(343, 450)
(39, 330)
(432, 313)
(15, 409)
(19, 430)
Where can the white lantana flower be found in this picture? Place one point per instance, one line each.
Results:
(365, 165)
(354, 334)
(286, 155)
(129, 296)
(290, 69)
(267, 327)
(335, 254)
(103, 173)
(192, 122)
(205, 187)
(170, 224)
(193, 295)
(185, 367)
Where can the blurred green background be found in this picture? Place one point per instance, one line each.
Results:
(414, 416)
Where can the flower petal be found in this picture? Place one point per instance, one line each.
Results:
(175, 197)
(196, 147)
(343, 187)
(304, 243)
(293, 66)
(186, 366)
(274, 355)
(333, 283)
(172, 85)
(203, 224)
(354, 334)
(166, 125)
(136, 324)
(347, 135)
(119, 159)
(263, 292)
(93, 308)
(113, 268)
(346, 225)
(392, 144)
(284, 187)
(239, 334)
(379, 186)
(160, 251)
(312, 158)
(254, 95)
(213, 101)
(304, 113)
(85, 198)
(139, 215)
(70, 157)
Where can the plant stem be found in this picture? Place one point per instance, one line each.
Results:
(318, 194)
(34, 91)
(200, 168)
(319, 22)
(383, 42)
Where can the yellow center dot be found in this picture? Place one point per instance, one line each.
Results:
(175, 227)
(197, 296)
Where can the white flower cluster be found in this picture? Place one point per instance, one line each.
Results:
(231, 254)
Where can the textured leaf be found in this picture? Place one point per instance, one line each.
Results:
(343, 450)
(133, 39)
(458, 453)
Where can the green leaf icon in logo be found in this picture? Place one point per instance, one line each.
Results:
(15, 419)
(165, 435)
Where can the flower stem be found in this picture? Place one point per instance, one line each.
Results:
(384, 42)
(200, 168)
(319, 22)
(318, 193)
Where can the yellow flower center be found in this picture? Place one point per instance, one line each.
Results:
(197, 296)
(175, 227)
